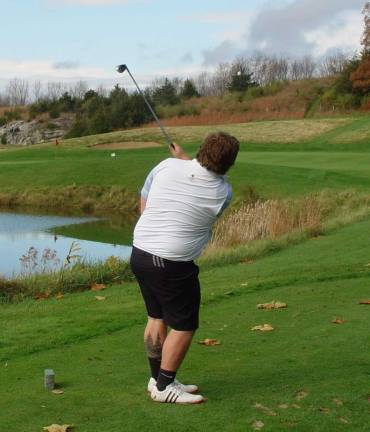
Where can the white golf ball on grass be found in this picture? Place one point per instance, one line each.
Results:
(113, 155)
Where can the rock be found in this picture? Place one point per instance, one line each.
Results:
(22, 133)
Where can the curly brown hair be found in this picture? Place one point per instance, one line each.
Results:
(218, 152)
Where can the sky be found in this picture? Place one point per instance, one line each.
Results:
(70, 40)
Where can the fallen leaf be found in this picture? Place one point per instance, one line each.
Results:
(301, 394)
(57, 428)
(337, 401)
(209, 342)
(100, 298)
(324, 410)
(58, 391)
(273, 305)
(365, 302)
(263, 328)
(258, 425)
(283, 406)
(265, 409)
(338, 321)
(98, 287)
(343, 420)
(42, 295)
(59, 296)
(296, 406)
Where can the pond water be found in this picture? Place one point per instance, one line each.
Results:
(52, 236)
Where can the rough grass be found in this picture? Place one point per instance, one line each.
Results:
(96, 350)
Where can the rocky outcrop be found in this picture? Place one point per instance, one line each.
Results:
(23, 133)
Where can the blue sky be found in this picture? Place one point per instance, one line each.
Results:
(84, 39)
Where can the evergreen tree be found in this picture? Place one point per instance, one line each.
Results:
(241, 81)
(166, 94)
(189, 90)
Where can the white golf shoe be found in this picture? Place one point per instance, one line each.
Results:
(173, 393)
(188, 388)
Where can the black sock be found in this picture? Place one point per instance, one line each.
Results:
(155, 365)
(164, 378)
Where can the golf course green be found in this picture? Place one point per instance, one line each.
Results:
(308, 374)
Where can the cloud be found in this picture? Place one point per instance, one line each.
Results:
(48, 70)
(224, 52)
(187, 58)
(343, 34)
(218, 17)
(297, 28)
(284, 29)
(65, 65)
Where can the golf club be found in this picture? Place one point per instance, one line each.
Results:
(121, 69)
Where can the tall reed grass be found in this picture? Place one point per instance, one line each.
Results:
(274, 218)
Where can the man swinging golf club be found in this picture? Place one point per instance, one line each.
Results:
(180, 201)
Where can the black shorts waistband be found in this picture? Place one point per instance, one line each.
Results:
(148, 254)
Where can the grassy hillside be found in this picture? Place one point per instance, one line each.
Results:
(322, 153)
(298, 371)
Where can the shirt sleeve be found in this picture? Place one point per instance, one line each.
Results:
(227, 200)
(149, 180)
(147, 185)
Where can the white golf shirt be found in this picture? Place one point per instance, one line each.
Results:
(183, 200)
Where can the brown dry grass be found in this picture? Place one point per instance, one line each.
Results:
(274, 218)
(23, 110)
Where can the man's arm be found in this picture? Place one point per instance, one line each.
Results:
(178, 153)
(142, 204)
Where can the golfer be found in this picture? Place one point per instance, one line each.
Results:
(180, 201)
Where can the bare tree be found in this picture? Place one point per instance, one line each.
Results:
(221, 79)
(366, 34)
(37, 90)
(79, 89)
(102, 91)
(55, 90)
(333, 64)
(4, 100)
(17, 91)
(202, 83)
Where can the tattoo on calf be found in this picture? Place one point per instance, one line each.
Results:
(153, 349)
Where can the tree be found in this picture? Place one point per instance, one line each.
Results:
(360, 78)
(189, 90)
(241, 77)
(333, 64)
(366, 34)
(17, 91)
(166, 94)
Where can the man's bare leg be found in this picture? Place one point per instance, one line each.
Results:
(154, 336)
(174, 350)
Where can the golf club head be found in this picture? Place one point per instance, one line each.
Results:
(121, 68)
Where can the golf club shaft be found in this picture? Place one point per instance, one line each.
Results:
(168, 138)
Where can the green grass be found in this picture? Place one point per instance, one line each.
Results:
(277, 158)
(95, 349)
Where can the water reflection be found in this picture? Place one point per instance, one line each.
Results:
(19, 232)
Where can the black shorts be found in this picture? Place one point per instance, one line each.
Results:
(170, 289)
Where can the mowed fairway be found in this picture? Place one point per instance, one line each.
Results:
(308, 374)
(266, 161)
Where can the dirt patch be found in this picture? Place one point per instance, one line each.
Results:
(126, 145)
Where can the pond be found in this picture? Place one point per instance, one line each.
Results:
(51, 236)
